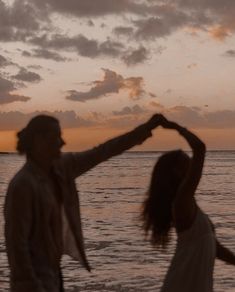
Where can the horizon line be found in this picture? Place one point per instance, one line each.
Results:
(133, 151)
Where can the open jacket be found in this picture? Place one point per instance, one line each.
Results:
(33, 261)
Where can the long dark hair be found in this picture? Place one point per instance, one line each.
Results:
(157, 207)
(37, 125)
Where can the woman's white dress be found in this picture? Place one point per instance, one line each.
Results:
(191, 269)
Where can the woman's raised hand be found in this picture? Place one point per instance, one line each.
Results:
(169, 124)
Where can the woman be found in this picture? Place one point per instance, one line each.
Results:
(171, 203)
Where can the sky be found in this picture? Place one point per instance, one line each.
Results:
(103, 67)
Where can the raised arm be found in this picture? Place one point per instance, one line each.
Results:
(84, 161)
(184, 204)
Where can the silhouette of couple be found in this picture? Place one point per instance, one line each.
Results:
(42, 215)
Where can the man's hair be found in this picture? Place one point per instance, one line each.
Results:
(36, 125)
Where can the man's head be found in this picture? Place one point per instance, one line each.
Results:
(41, 137)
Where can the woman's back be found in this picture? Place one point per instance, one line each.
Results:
(191, 269)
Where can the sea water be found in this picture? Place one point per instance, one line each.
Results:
(111, 195)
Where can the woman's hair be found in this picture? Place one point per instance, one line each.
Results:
(157, 208)
(37, 125)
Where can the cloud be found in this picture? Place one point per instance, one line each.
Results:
(159, 26)
(6, 98)
(35, 67)
(135, 87)
(230, 53)
(6, 95)
(221, 119)
(111, 83)
(123, 30)
(135, 110)
(27, 76)
(7, 87)
(97, 116)
(23, 15)
(45, 54)
(89, 8)
(168, 91)
(152, 94)
(6, 26)
(110, 48)
(127, 117)
(90, 23)
(19, 20)
(191, 66)
(82, 45)
(163, 19)
(15, 120)
(186, 116)
(153, 19)
(32, 22)
(157, 105)
(195, 117)
(219, 32)
(86, 47)
(136, 56)
(191, 117)
(218, 16)
(4, 62)
(69, 119)
(166, 15)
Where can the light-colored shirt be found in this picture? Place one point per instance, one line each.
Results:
(191, 269)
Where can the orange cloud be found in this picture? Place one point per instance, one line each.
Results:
(220, 32)
(157, 105)
(112, 82)
(135, 87)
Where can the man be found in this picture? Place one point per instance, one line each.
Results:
(42, 217)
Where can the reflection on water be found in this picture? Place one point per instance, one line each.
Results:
(111, 196)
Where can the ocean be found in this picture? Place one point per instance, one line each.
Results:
(111, 195)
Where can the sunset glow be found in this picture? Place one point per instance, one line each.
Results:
(104, 69)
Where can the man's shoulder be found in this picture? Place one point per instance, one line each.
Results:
(65, 161)
(23, 177)
(68, 164)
